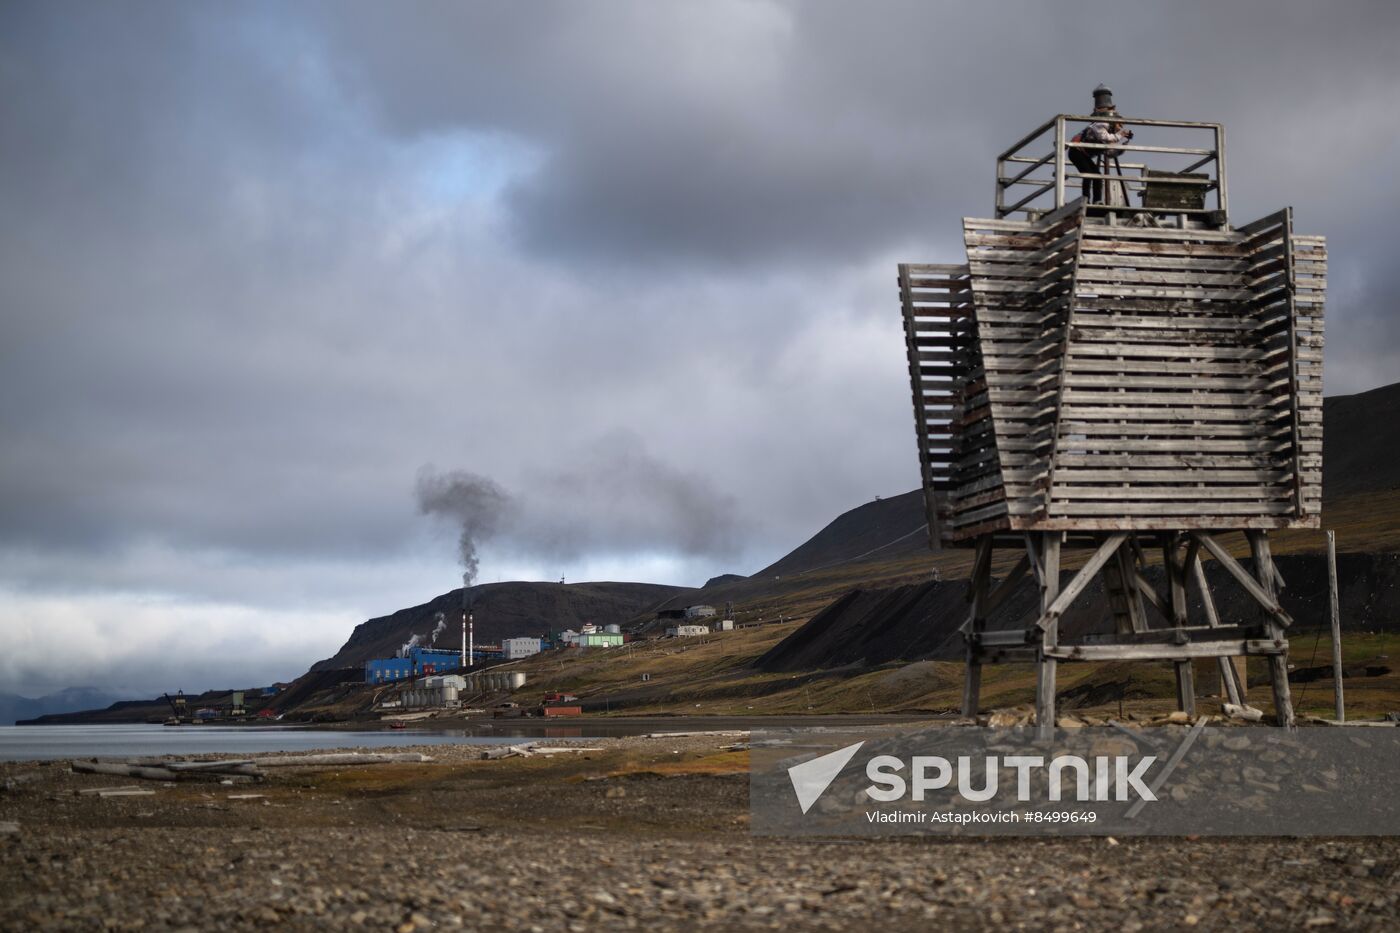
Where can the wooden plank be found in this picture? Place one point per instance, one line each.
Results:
(1081, 579)
(935, 531)
(1299, 501)
(1166, 652)
(977, 592)
(1184, 491)
(1050, 596)
(1008, 584)
(1261, 595)
(1219, 524)
(1278, 664)
(1235, 689)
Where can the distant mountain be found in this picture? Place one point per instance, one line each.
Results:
(1361, 442)
(879, 530)
(502, 610)
(14, 707)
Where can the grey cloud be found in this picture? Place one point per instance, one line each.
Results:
(254, 273)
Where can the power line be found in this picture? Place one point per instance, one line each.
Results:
(847, 560)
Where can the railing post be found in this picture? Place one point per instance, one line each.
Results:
(1222, 199)
(999, 212)
(1059, 161)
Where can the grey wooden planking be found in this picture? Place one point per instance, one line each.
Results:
(1188, 360)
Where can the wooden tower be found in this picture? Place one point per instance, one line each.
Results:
(1128, 380)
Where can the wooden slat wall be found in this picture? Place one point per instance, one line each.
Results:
(1184, 402)
(1022, 279)
(942, 351)
(1116, 377)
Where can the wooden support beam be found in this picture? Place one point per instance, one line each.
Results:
(1146, 591)
(1278, 664)
(1009, 638)
(1050, 565)
(1050, 596)
(1175, 570)
(1133, 561)
(1007, 585)
(981, 564)
(1160, 652)
(1264, 596)
(1186, 688)
(1232, 679)
(1081, 579)
(977, 619)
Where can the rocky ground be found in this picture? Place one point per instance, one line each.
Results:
(643, 833)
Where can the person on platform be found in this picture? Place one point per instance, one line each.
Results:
(1104, 132)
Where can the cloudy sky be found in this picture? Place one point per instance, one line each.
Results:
(267, 269)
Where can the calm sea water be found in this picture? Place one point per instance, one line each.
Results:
(37, 743)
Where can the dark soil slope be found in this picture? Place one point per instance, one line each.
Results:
(1361, 442)
(910, 622)
(502, 610)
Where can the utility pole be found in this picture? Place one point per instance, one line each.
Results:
(1336, 625)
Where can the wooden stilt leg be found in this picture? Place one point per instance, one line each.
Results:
(1239, 671)
(1174, 566)
(981, 572)
(972, 686)
(1045, 668)
(1045, 697)
(1232, 684)
(1278, 663)
(1185, 688)
(1283, 701)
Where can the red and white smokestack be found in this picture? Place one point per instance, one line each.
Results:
(464, 639)
(471, 640)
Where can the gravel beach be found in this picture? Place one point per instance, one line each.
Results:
(640, 834)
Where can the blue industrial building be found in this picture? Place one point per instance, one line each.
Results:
(418, 663)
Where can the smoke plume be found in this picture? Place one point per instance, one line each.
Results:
(476, 503)
(440, 627)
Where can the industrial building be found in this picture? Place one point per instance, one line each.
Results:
(724, 625)
(435, 691)
(516, 648)
(417, 662)
(599, 639)
(451, 690)
(699, 612)
(687, 631)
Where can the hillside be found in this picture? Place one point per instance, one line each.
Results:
(1361, 442)
(879, 530)
(502, 610)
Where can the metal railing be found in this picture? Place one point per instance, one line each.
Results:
(1023, 187)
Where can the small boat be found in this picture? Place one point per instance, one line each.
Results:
(398, 725)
